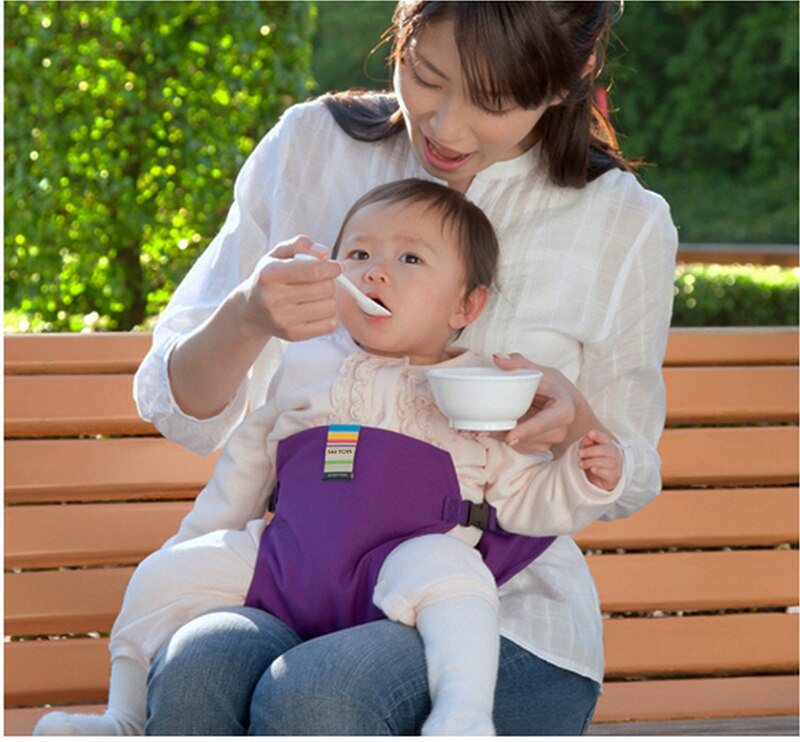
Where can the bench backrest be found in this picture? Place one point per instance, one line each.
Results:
(697, 588)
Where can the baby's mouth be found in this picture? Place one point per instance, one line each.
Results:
(377, 299)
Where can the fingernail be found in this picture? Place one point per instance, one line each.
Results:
(502, 356)
(513, 442)
(319, 249)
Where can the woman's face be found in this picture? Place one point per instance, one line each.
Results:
(453, 137)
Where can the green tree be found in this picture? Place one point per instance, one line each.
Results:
(347, 32)
(708, 93)
(126, 123)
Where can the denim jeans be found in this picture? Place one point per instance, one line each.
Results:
(241, 671)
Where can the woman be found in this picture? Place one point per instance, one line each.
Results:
(493, 99)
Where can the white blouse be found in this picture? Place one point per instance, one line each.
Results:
(585, 286)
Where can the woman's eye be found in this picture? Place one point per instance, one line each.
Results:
(495, 105)
(497, 111)
(418, 79)
(500, 108)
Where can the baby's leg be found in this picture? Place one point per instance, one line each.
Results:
(441, 586)
(168, 589)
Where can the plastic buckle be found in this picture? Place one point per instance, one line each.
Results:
(479, 514)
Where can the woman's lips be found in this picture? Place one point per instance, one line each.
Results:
(443, 158)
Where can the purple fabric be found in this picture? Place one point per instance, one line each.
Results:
(504, 553)
(319, 558)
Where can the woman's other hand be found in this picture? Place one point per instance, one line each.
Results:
(289, 299)
(558, 415)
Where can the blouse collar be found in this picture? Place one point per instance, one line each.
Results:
(522, 165)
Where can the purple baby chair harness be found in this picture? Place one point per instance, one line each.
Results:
(320, 555)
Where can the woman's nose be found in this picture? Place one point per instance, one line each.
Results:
(448, 122)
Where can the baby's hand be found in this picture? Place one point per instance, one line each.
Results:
(600, 459)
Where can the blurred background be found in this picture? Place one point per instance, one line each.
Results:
(127, 122)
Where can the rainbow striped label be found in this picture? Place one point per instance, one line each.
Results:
(340, 451)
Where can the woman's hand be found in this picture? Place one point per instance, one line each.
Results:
(289, 299)
(558, 415)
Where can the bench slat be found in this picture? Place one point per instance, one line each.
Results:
(81, 601)
(729, 456)
(89, 469)
(63, 601)
(123, 533)
(699, 581)
(735, 394)
(759, 516)
(61, 353)
(653, 700)
(111, 352)
(88, 535)
(736, 346)
(39, 672)
(112, 469)
(697, 252)
(72, 406)
(61, 405)
(737, 643)
(56, 671)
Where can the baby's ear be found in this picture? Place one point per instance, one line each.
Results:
(470, 308)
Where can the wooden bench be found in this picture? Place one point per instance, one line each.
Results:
(785, 256)
(699, 589)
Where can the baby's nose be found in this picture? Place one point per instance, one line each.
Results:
(377, 273)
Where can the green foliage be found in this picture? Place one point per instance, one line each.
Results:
(740, 295)
(346, 34)
(126, 123)
(708, 92)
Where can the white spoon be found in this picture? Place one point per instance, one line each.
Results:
(364, 302)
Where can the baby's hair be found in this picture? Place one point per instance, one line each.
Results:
(477, 240)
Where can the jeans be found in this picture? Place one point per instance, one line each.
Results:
(242, 671)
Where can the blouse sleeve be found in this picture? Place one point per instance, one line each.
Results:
(621, 374)
(243, 479)
(229, 259)
(543, 498)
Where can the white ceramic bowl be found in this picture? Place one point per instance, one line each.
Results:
(477, 398)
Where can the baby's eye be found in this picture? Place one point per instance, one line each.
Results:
(357, 255)
(411, 259)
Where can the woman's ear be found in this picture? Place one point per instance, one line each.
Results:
(470, 307)
(588, 69)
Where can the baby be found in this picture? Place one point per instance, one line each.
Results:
(380, 508)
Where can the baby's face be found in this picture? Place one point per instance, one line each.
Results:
(400, 255)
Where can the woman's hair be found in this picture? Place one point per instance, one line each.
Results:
(530, 52)
(474, 232)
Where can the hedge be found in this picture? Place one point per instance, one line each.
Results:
(705, 296)
(125, 125)
(738, 295)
